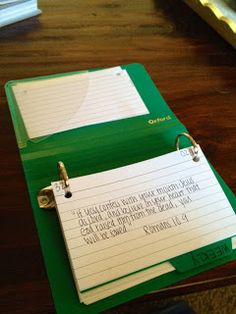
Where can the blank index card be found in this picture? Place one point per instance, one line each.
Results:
(54, 105)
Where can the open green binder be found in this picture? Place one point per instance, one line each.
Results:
(95, 148)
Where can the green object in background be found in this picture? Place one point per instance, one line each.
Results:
(96, 148)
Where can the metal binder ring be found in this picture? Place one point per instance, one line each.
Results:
(64, 178)
(194, 151)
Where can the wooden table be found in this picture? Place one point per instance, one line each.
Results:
(194, 69)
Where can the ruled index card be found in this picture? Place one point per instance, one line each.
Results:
(121, 221)
(54, 105)
(124, 283)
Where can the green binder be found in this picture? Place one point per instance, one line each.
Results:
(96, 148)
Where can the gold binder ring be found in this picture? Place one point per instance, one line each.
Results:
(194, 150)
(64, 178)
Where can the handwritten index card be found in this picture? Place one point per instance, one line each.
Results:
(121, 221)
(53, 105)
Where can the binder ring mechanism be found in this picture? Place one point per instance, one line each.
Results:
(64, 179)
(45, 196)
(194, 150)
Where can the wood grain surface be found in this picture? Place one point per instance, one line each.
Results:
(192, 66)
